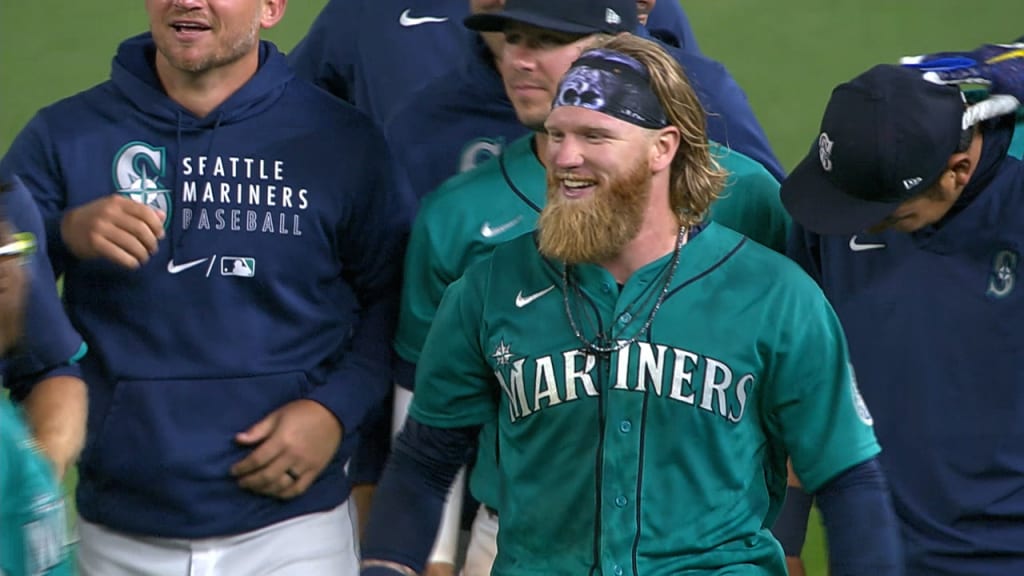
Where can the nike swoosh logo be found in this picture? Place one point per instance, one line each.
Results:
(858, 247)
(178, 268)
(522, 301)
(488, 232)
(408, 21)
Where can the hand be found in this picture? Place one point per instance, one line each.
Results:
(439, 569)
(999, 66)
(295, 443)
(114, 227)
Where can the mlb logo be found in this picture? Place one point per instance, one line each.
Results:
(237, 266)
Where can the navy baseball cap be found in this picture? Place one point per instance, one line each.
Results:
(886, 136)
(570, 16)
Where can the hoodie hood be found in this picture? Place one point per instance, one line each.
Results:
(134, 74)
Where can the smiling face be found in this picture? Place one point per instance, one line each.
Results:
(533, 62)
(198, 36)
(599, 185)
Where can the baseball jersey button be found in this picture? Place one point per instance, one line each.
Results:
(617, 570)
(625, 318)
(625, 426)
(606, 287)
(621, 501)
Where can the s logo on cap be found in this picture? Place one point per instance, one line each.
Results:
(825, 151)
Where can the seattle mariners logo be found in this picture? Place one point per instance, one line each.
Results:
(825, 151)
(477, 152)
(1004, 274)
(137, 170)
(502, 354)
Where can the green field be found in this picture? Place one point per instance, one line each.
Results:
(787, 55)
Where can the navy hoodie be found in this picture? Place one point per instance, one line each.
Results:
(278, 280)
(933, 321)
(49, 346)
(377, 53)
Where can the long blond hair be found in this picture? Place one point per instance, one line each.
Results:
(696, 178)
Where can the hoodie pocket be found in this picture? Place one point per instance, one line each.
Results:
(174, 440)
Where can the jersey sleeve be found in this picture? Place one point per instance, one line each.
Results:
(750, 203)
(424, 283)
(454, 384)
(813, 405)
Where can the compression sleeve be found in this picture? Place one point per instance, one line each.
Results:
(860, 523)
(408, 502)
(790, 527)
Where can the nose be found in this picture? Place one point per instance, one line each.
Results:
(518, 56)
(565, 154)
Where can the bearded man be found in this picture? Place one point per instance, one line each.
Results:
(648, 372)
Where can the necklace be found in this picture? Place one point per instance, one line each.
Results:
(598, 345)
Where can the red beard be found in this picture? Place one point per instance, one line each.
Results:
(597, 228)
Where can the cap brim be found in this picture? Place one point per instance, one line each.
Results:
(497, 21)
(820, 206)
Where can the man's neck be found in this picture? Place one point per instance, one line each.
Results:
(201, 93)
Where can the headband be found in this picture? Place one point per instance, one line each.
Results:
(612, 83)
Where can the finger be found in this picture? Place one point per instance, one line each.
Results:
(139, 222)
(260, 458)
(259, 431)
(298, 486)
(147, 216)
(271, 479)
(111, 251)
(113, 238)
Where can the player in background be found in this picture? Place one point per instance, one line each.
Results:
(910, 217)
(465, 117)
(607, 344)
(376, 54)
(41, 435)
(231, 242)
(470, 214)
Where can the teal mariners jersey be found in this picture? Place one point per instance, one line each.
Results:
(462, 221)
(669, 455)
(33, 523)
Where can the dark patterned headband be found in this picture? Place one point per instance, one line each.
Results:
(612, 83)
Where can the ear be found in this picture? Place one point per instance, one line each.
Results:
(963, 164)
(664, 144)
(273, 11)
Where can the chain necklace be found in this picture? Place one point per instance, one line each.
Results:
(598, 346)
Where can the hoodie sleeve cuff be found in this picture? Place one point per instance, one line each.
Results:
(350, 401)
